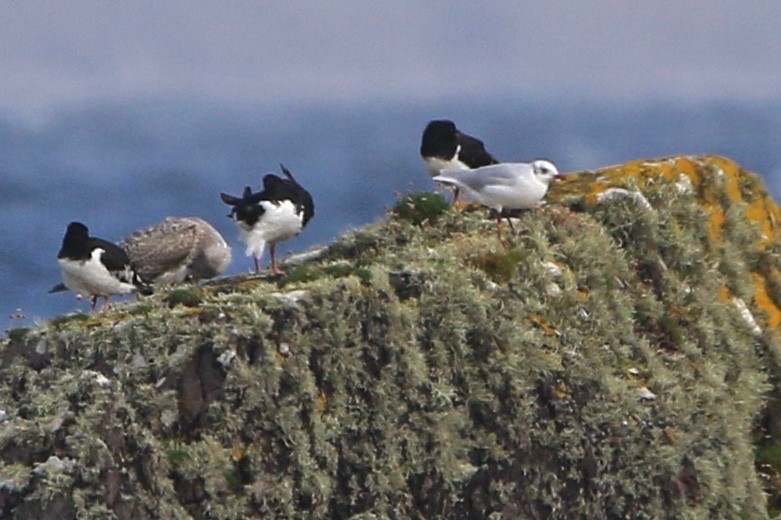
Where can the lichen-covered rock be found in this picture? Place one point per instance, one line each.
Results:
(618, 358)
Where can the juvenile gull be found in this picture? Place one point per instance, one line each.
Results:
(504, 185)
(444, 147)
(95, 267)
(273, 215)
(176, 250)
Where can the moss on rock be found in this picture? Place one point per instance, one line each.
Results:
(618, 359)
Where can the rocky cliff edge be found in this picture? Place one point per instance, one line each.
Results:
(618, 358)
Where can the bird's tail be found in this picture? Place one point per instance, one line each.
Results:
(60, 287)
(142, 286)
(144, 289)
(287, 173)
(450, 180)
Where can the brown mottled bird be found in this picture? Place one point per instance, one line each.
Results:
(176, 250)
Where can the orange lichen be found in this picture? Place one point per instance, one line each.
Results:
(238, 453)
(685, 166)
(717, 183)
(765, 213)
(671, 436)
(730, 178)
(321, 402)
(544, 325)
(757, 212)
(763, 300)
(591, 183)
(562, 391)
(591, 199)
(716, 223)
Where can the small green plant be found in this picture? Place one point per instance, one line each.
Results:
(62, 320)
(299, 274)
(339, 270)
(342, 270)
(501, 266)
(770, 455)
(142, 309)
(18, 334)
(673, 330)
(768, 464)
(177, 455)
(303, 274)
(233, 478)
(363, 274)
(189, 297)
(420, 208)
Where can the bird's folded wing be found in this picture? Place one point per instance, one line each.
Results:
(479, 178)
(161, 248)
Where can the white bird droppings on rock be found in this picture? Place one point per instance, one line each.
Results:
(684, 185)
(307, 256)
(645, 394)
(168, 418)
(122, 325)
(96, 376)
(138, 361)
(291, 297)
(41, 347)
(620, 193)
(552, 268)
(54, 464)
(745, 313)
(226, 358)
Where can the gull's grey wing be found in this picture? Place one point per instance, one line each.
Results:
(503, 174)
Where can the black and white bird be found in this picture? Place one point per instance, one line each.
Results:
(95, 267)
(176, 250)
(504, 186)
(445, 147)
(273, 215)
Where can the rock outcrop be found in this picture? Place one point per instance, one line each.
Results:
(618, 358)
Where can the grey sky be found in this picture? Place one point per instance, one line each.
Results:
(58, 51)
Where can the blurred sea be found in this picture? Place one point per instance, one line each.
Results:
(119, 167)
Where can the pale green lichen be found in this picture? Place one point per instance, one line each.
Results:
(427, 370)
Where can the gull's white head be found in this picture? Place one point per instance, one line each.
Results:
(544, 170)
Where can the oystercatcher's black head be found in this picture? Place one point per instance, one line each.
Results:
(75, 243)
(76, 231)
(439, 139)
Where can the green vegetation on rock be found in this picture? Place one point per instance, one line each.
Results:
(420, 208)
(614, 360)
